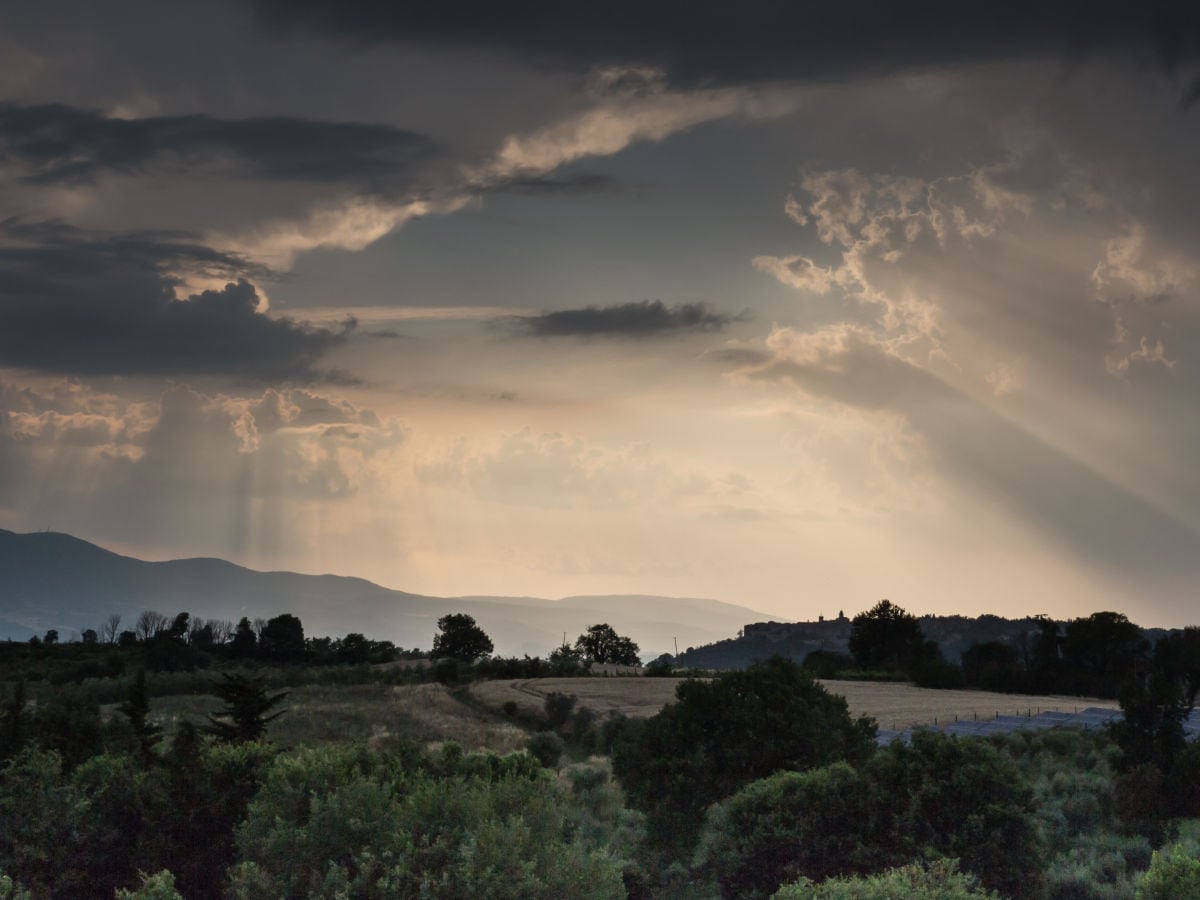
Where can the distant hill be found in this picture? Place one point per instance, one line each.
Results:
(796, 640)
(52, 580)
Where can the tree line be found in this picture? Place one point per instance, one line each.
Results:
(1091, 656)
(180, 643)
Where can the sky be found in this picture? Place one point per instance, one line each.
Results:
(797, 306)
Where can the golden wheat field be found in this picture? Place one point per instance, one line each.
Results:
(891, 704)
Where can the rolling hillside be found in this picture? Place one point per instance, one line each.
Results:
(52, 580)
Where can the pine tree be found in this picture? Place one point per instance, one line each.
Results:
(137, 710)
(246, 706)
(14, 723)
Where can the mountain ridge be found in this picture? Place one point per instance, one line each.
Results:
(55, 580)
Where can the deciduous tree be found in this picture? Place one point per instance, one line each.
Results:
(460, 638)
(885, 637)
(602, 644)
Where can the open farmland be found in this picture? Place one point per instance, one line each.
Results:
(891, 704)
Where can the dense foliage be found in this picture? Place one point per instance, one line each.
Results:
(939, 880)
(726, 732)
(958, 799)
(461, 639)
(602, 644)
(341, 822)
(752, 782)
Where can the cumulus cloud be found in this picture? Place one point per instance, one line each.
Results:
(352, 224)
(626, 105)
(641, 319)
(1138, 280)
(761, 40)
(923, 262)
(54, 143)
(73, 302)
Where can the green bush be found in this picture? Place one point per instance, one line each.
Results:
(334, 822)
(786, 826)
(828, 663)
(939, 880)
(723, 733)
(546, 747)
(160, 886)
(10, 890)
(1183, 781)
(939, 797)
(558, 708)
(1173, 873)
(1097, 866)
(118, 818)
(961, 798)
(36, 817)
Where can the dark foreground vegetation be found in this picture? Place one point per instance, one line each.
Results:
(754, 783)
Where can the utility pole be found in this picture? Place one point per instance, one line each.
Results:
(676, 640)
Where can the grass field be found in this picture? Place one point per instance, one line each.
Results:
(892, 705)
(316, 714)
(430, 713)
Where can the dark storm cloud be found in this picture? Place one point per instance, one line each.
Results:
(648, 318)
(581, 183)
(53, 143)
(766, 39)
(82, 304)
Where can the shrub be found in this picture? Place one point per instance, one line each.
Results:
(726, 732)
(10, 890)
(69, 724)
(582, 720)
(546, 747)
(963, 799)
(662, 666)
(451, 671)
(789, 825)
(1173, 873)
(828, 663)
(160, 886)
(558, 707)
(1183, 782)
(35, 819)
(1138, 796)
(939, 880)
(1097, 866)
(343, 822)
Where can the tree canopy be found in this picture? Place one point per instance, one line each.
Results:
(602, 644)
(282, 638)
(722, 733)
(885, 637)
(460, 638)
(247, 703)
